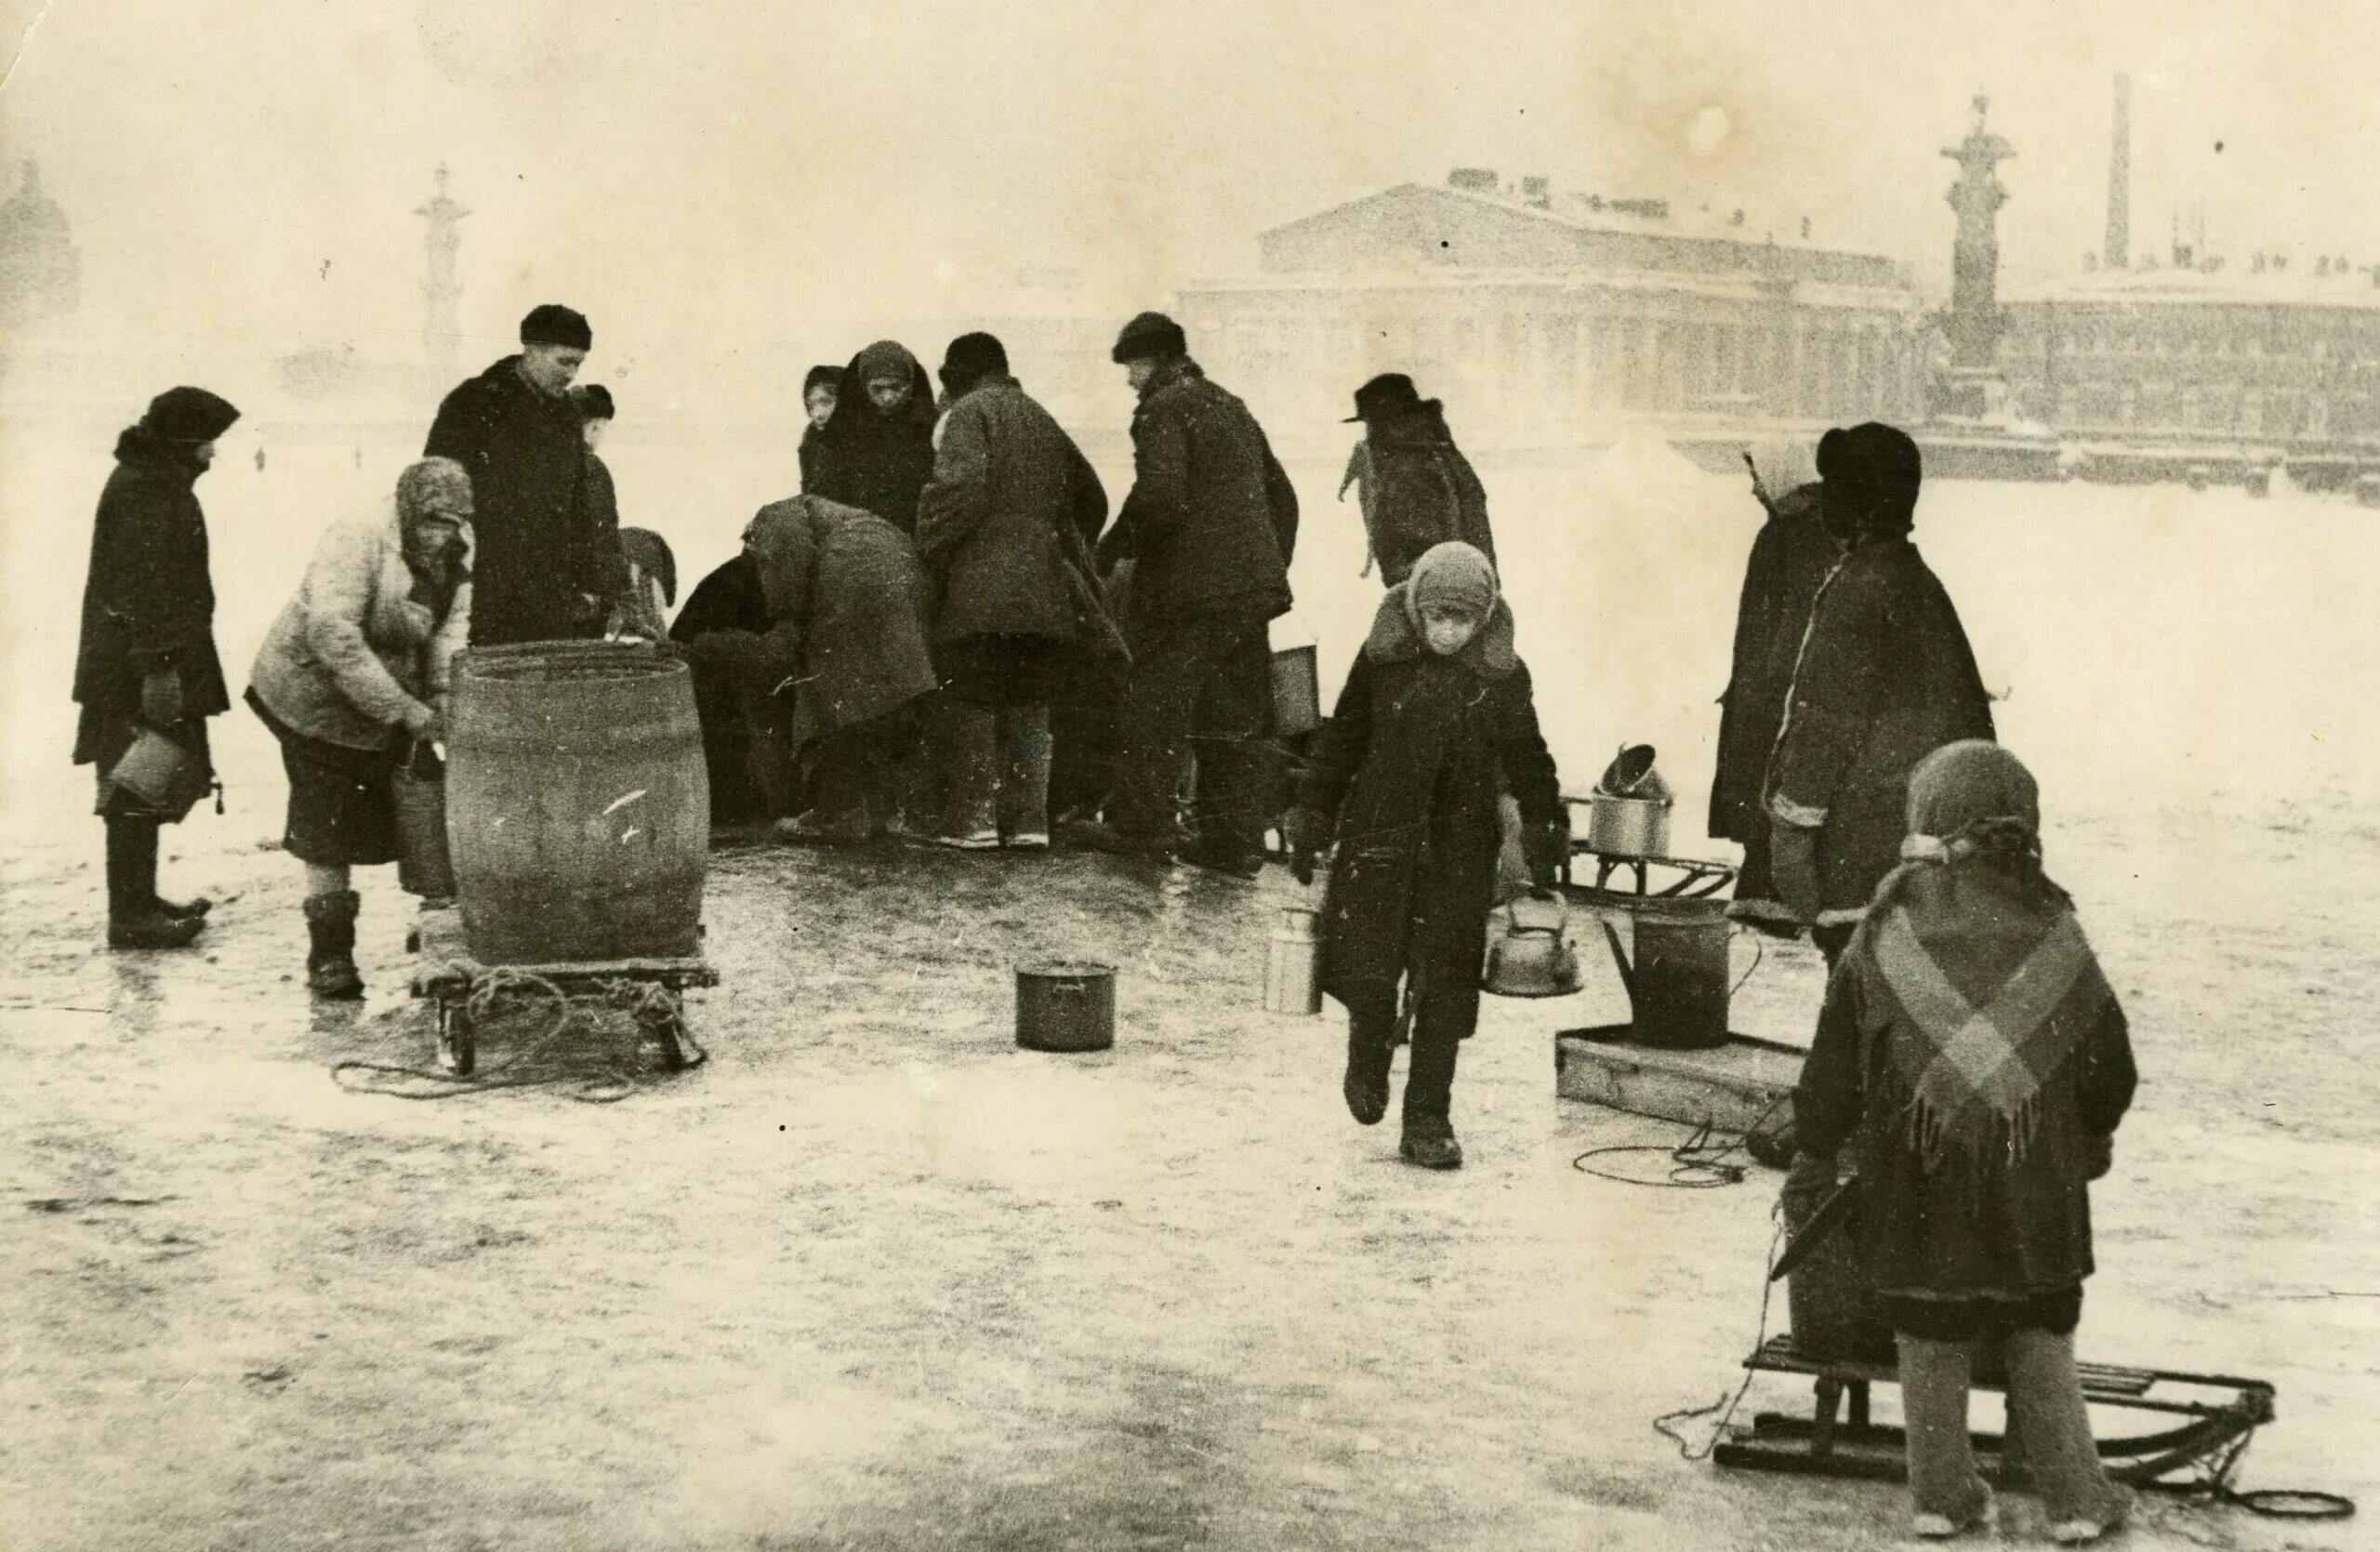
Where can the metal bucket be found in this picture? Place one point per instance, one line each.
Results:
(1293, 965)
(1677, 984)
(1297, 691)
(423, 868)
(1066, 1005)
(1628, 827)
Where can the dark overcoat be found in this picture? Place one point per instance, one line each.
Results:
(867, 458)
(1409, 767)
(1418, 490)
(538, 548)
(1884, 677)
(148, 601)
(1790, 561)
(1002, 526)
(1213, 519)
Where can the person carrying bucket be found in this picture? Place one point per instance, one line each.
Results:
(1435, 712)
(352, 676)
(1976, 1063)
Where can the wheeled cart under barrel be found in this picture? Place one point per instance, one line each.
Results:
(461, 985)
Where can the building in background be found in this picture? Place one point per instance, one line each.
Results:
(2190, 366)
(2273, 364)
(1555, 322)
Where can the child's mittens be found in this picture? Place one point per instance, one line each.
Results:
(1547, 848)
(2098, 1155)
(1307, 832)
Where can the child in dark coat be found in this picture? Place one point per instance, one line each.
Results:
(1404, 777)
(1975, 1060)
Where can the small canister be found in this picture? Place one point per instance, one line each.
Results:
(1293, 965)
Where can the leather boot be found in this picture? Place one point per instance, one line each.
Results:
(136, 918)
(330, 962)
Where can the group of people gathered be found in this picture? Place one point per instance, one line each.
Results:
(943, 635)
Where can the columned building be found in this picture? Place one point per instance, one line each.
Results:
(2289, 360)
(1553, 324)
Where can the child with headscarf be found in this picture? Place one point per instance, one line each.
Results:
(1436, 714)
(1974, 1057)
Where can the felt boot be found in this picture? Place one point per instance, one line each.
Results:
(136, 918)
(330, 962)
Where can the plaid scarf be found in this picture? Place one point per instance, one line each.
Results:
(1989, 1018)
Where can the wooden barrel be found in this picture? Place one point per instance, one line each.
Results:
(577, 806)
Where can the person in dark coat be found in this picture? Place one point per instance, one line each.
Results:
(875, 451)
(834, 681)
(146, 660)
(1436, 717)
(543, 572)
(146, 656)
(1210, 525)
(1790, 559)
(1884, 677)
(1974, 1062)
(730, 598)
(1414, 485)
(600, 499)
(819, 390)
(1018, 613)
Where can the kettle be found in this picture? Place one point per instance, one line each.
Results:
(1532, 960)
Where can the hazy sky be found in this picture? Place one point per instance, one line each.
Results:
(700, 170)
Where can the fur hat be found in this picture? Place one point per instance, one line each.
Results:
(552, 324)
(1151, 336)
(434, 486)
(970, 359)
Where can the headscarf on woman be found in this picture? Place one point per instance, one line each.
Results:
(877, 460)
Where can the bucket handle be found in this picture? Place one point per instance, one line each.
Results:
(1628, 974)
(1759, 952)
(1551, 897)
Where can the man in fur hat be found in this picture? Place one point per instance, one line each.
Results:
(542, 572)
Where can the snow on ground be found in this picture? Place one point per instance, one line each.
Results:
(873, 1278)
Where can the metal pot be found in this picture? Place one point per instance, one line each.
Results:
(1532, 960)
(1628, 815)
(1628, 827)
(424, 866)
(1066, 1006)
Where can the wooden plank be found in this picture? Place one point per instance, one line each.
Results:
(1778, 1354)
(445, 963)
(1731, 1088)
